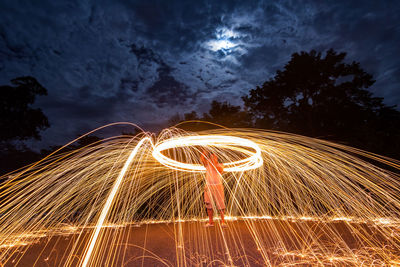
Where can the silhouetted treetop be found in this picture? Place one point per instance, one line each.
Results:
(322, 96)
(18, 120)
(314, 95)
(227, 115)
(221, 113)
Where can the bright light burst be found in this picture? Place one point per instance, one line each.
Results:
(228, 142)
(303, 200)
(225, 40)
(223, 44)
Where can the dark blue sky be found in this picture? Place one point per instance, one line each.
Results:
(144, 61)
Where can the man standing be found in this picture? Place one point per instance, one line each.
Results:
(214, 190)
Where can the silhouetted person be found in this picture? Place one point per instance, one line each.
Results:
(214, 190)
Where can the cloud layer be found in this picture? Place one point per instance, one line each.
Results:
(144, 61)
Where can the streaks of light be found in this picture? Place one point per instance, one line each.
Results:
(289, 190)
(228, 142)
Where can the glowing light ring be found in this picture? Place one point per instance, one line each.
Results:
(252, 162)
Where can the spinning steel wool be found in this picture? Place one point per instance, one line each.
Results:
(300, 200)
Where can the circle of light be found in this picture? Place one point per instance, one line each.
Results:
(230, 142)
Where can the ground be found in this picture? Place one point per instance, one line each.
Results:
(242, 243)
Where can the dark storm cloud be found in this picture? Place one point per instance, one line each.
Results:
(370, 35)
(167, 90)
(178, 25)
(144, 61)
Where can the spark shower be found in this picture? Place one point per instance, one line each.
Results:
(301, 200)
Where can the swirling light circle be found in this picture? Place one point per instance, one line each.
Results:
(245, 146)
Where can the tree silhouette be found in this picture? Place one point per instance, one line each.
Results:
(227, 115)
(321, 96)
(191, 116)
(18, 120)
(221, 113)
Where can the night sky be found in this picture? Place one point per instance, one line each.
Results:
(144, 61)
